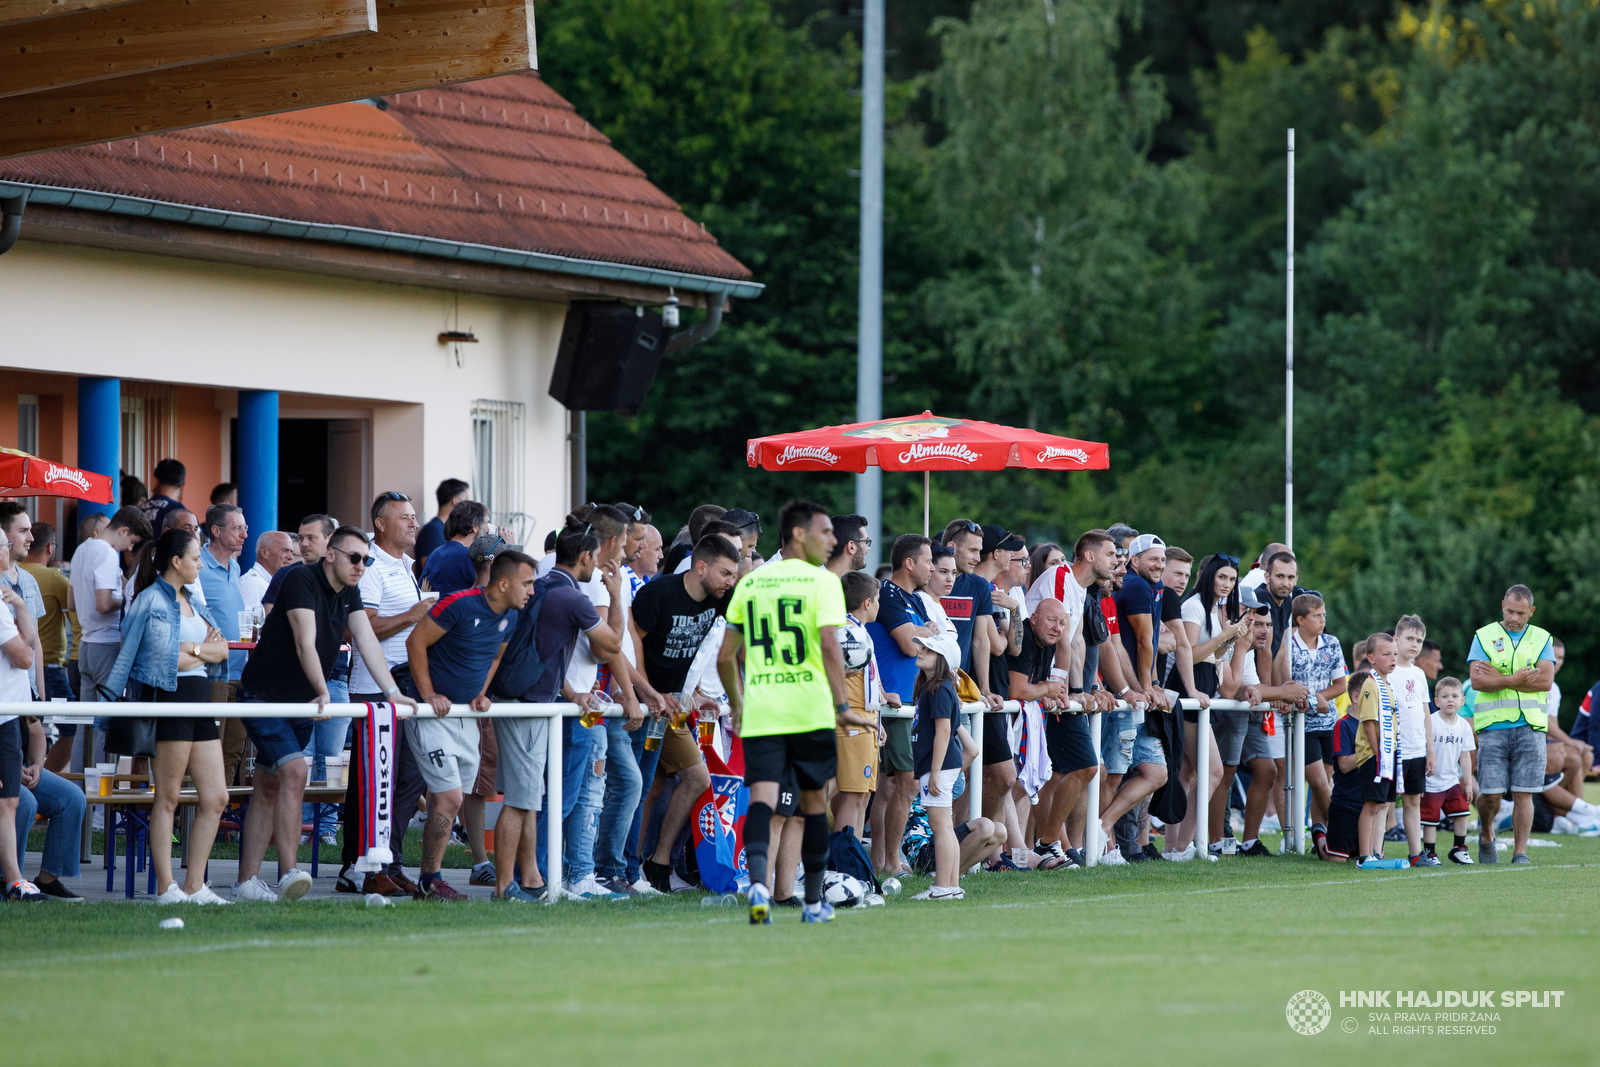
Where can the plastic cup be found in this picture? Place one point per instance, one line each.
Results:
(106, 771)
(247, 622)
(91, 782)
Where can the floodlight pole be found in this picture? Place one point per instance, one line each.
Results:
(1294, 826)
(869, 323)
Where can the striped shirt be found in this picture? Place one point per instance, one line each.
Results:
(388, 588)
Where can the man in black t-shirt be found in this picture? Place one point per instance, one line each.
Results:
(290, 665)
(1073, 762)
(671, 617)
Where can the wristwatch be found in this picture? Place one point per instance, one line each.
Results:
(1073, 692)
(391, 691)
(1123, 690)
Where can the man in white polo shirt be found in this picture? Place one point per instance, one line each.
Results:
(394, 602)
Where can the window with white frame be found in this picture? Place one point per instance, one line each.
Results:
(498, 428)
(149, 428)
(28, 438)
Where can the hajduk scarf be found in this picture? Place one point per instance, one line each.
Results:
(1386, 731)
(378, 742)
(1027, 742)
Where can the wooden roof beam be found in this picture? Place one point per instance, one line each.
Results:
(15, 11)
(157, 35)
(419, 44)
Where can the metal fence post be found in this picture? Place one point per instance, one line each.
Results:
(1202, 785)
(553, 805)
(1091, 821)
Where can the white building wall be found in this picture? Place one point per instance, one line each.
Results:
(366, 346)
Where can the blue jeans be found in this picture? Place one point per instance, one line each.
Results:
(646, 759)
(327, 739)
(581, 793)
(624, 786)
(63, 804)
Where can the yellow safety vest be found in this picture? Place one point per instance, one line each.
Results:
(1508, 657)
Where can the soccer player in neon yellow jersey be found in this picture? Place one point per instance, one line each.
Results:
(785, 617)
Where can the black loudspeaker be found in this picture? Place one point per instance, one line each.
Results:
(608, 356)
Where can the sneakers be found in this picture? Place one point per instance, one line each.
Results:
(1395, 833)
(255, 890)
(1488, 853)
(1256, 849)
(1151, 852)
(58, 892)
(482, 873)
(589, 888)
(678, 885)
(293, 885)
(1051, 857)
(1183, 855)
(659, 875)
(1136, 856)
(789, 902)
(820, 912)
(1460, 854)
(643, 888)
(1426, 859)
(439, 889)
(204, 896)
(349, 881)
(1075, 859)
(942, 892)
(1002, 864)
(1112, 856)
(172, 895)
(1520, 858)
(23, 891)
(515, 893)
(760, 905)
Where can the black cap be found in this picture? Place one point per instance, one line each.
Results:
(997, 537)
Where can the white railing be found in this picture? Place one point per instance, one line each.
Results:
(1293, 824)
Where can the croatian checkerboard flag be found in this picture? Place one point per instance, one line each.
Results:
(718, 834)
(378, 743)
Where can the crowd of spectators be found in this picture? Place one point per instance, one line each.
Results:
(155, 605)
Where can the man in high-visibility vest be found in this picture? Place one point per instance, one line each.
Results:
(1512, 665)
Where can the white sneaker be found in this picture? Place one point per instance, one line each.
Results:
(564, 893)
(643, 888)
(172, 895)
(204, 895)
(1181, 855)
(680, 886)
(1562, 825)
(941, 892)
(254, 889)
(1113, 857)
(589, 888)
(293, 885)
(330, 838)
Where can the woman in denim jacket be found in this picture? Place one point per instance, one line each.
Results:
(170, 646)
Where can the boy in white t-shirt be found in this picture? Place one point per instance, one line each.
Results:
(1452, 790)
(1415, 739)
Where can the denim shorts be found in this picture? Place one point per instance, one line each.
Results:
(1124, 743)
(277, 741)
(1513, 757)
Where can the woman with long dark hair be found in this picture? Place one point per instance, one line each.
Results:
(1042, 559)
(170, 646)
(1211, 615)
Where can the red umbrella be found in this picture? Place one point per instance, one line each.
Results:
(25, 475)
(925, 442)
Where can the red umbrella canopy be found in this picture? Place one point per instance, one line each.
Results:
(25, 475)
(925, 442)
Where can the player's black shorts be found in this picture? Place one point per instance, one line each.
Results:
(996, 737)
(812, 756)
(1066, 741)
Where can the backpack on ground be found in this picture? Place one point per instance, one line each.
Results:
(847, 855)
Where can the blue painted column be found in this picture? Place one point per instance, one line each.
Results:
(258, 464)
(100, 437)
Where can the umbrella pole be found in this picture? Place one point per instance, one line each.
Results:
(925, 483)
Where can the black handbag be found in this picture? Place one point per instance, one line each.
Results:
(1096, 631)
(128, 736)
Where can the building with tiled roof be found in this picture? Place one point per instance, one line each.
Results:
(309, 261)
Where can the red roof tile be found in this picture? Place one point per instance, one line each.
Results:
(504, 162)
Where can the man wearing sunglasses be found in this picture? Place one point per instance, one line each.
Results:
(291, 664)
(850, 544)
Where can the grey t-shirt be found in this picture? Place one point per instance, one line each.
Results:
(565, 613)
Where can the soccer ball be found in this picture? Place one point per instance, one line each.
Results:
(857, 648)
(842, 891)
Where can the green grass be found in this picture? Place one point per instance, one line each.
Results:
(1160, 963)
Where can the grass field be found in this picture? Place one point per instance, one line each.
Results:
(1160, 963)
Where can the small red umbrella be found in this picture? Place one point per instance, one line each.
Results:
(25, 475)
(925, 442)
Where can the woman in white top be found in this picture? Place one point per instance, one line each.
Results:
(169, 640)
(1211, 617)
